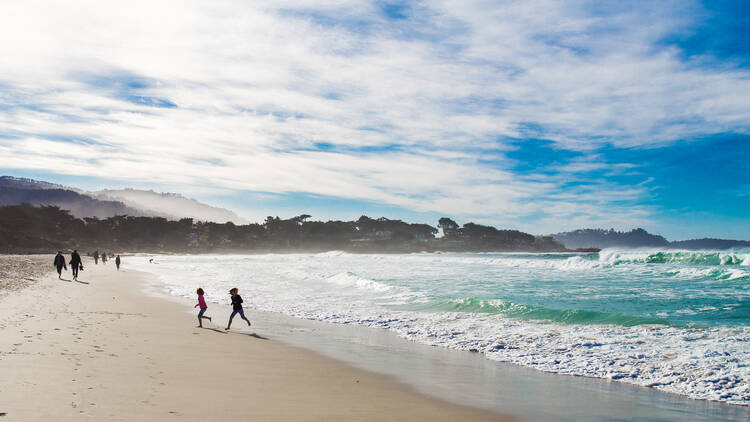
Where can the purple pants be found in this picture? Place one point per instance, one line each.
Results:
(238, 311)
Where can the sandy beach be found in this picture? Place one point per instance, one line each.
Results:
(102, 349)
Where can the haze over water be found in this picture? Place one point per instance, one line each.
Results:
(675, 321)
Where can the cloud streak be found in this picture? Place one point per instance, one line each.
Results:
(412, 105)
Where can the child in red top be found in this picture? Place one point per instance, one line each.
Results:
(203, 306)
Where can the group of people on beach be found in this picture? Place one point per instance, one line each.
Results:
(104, 258)
(76, 264)
(236, 307)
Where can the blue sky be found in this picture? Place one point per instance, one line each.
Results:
(538, 115)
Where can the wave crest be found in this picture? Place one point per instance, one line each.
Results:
(614, 257)
(349, 279)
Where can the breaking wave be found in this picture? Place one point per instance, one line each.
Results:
(671, 320)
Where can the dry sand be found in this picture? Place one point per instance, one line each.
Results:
(19, 271)
(105, 351)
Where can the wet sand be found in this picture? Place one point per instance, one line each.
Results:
(101, 349)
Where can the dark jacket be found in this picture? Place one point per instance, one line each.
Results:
(75, 259)
(59, 261)
(236, 302)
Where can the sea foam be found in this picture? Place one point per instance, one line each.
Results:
(675, 326)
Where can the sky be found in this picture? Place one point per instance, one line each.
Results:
(536, 115)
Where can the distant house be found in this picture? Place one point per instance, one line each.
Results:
(423, 237)
(451, 244)
(370, 239)
(383, 235)
(374, 236)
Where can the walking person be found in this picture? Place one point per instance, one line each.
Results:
(96, 257)
(236, 307)
(60, 264)
(117, 262)
(75, 264)
(104, 258)
(203, 306)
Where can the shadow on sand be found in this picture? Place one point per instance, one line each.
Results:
(214, 329)
(239, 333)
(82, 282)
(254, 335)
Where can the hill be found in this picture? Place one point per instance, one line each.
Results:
(638, 238)
(169, 205)
(109, 203)
(24, 183)
(26, 228)
(16, 191)
(601, 238)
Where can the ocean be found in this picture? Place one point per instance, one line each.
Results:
(676, 321)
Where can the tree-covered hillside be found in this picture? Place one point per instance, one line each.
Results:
(600, 238)
(26, 228)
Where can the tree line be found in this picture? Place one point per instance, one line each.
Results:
(29, 229)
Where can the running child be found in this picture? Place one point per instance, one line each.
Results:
(203, 306)
(236, 307)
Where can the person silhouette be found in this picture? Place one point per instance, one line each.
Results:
(59, 262)
(75, 264)
(236, 307)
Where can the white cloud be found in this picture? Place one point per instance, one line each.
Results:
(257, 87)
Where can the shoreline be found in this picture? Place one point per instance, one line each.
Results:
(59, 329)
(357, 344)
(108, 351)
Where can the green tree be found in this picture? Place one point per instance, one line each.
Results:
(449, 227)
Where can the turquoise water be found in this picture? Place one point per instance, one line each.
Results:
(673, 320)
(686, 289)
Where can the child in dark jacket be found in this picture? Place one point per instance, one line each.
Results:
(236, 307)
